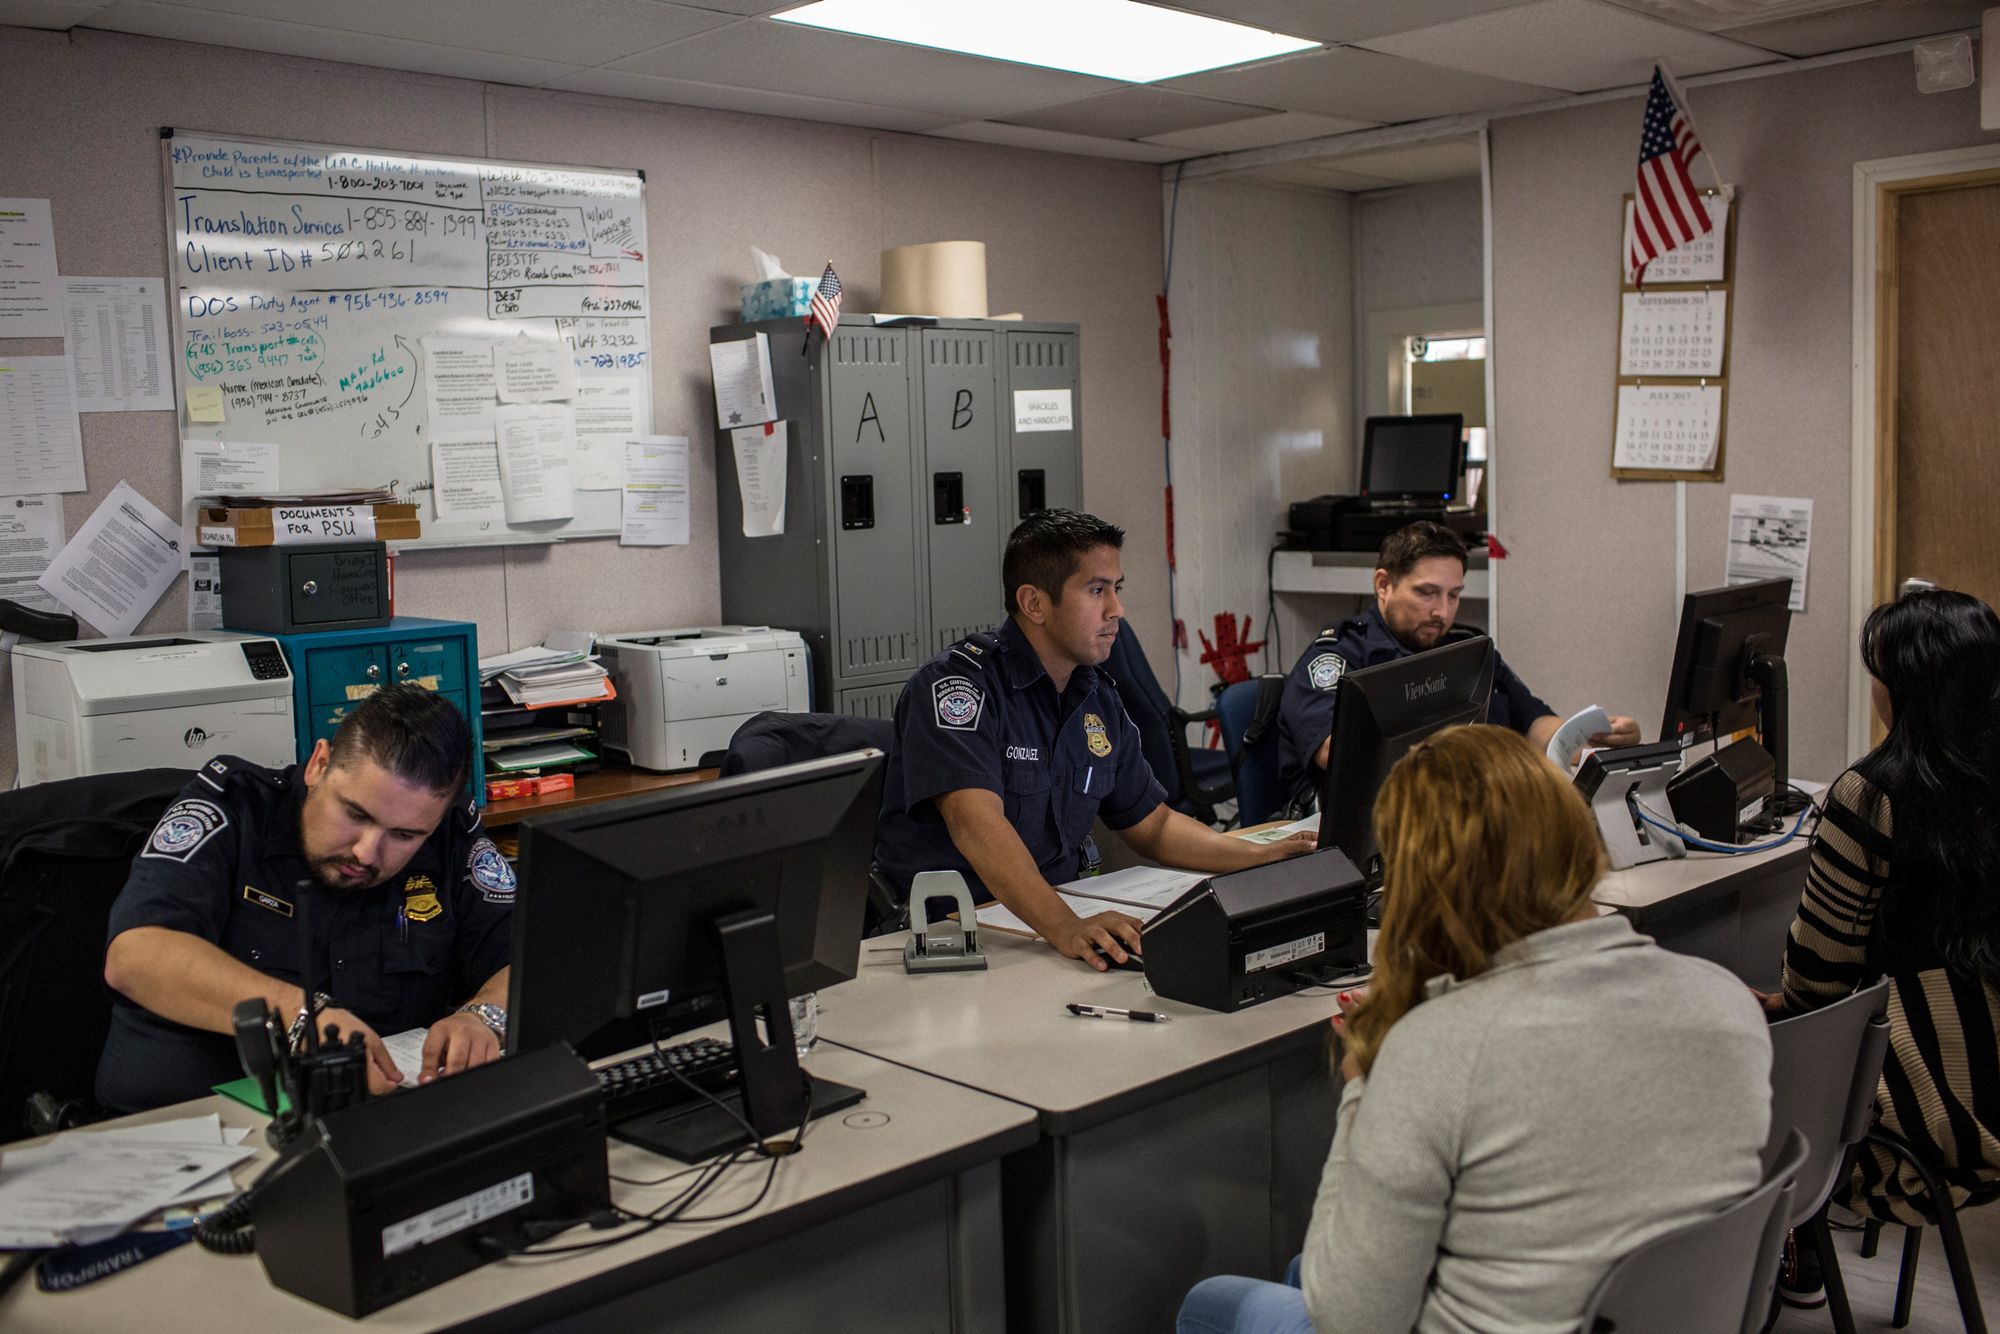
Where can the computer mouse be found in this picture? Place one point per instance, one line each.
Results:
(1133, 963)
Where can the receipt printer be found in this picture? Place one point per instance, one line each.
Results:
(95, 706)
(1253, 935)
(683, 693)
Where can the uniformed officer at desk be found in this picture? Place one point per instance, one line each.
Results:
(1010, 742)
(410, 907)
(1419, 578)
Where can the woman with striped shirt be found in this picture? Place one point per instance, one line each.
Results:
(1904, 882)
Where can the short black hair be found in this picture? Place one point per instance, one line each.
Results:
(1047, 547)
(1413, 542)
(416, 734)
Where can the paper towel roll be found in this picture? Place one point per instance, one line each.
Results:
(939, 278)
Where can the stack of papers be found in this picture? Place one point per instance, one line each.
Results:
(1279, 833)
(563, 647)
(558, 683)
(374, 495)
(87, 1185)
(1140, 892)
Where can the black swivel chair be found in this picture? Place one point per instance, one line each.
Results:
(66, 849)
(1197, 779)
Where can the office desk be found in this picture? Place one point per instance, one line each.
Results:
(1733, 909)
(1170, 1152)
(888, 1219)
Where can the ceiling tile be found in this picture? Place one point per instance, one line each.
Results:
(1362, 85)
(1577, 45)
(1452, 160)
(1863, 25)
(1054, 141)
(1287, 127)
(1138, 112)
(816, 63)
(742, 7)
(1342, 22)
(1715, 15)
(47, 13)
(1310, 176)
(722, 97)
(298, 39)
(591, 32)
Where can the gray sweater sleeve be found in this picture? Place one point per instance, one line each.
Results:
(1387, 1187)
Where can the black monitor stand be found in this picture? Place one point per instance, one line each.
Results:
(1767, 671)
(773, 1093)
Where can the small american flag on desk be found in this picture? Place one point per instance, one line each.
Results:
(1667, 211)
(825, 312)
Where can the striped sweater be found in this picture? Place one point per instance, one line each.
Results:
(1942, 1075)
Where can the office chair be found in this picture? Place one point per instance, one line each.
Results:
(1713, 1276)
(1196, 778)
(768, 740)
(1248, 712)
(1963, 1285)
(1825, 1066)
(66, 849)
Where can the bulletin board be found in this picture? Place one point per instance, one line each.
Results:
(331, 294)
(1672, 397)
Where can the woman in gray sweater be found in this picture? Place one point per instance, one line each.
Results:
(1532, 1090)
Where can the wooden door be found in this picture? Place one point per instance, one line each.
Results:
(1938, 491)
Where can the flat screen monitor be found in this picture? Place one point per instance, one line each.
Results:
(615, 921)
(1378, 714)
(1714, 688)
(1413, 458)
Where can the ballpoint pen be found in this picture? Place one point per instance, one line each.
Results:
(1113, 1012)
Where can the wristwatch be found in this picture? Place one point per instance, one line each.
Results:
(490, 1015)
(295, 1036)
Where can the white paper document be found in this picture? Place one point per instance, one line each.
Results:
(533, 371)
(465, 479)
(537, 461)
(406, 1049)
(117, 337)
(223, 468)
(1566, 747)
(1134, 887)
(86, 1186)
(1770, 537)
(1004, 919)
(118, 564)
(1044, 410)
(1279, 833)
(41, 442)
(760, 476)
(204, 592)
(607, 415)
(30, 294)
(461, 385)
(656, 492)
(743, 392)
(31, 533)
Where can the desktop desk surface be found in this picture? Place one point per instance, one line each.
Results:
(1005, 1030)
(932, 1129)
(1656, 888)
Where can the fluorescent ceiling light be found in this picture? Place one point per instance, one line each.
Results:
(1113, 39)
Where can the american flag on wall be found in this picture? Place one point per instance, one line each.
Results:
(1667, 210)
(825, 311)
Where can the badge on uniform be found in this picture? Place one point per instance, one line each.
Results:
(187, 825)
(958, 702)
(490, 871)
(267, 901)
(420, 900)
(1326, 670)
(1094, 735)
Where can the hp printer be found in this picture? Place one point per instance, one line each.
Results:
(683, 693)
(94, 706)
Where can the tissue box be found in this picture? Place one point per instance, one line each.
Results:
(777, 298)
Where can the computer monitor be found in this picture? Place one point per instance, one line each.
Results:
(1378, 714)
(1413, 458)
(1729, 672)
(640, 918)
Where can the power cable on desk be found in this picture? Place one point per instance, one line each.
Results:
(1693, 840)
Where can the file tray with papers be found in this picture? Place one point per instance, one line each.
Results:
(1253, 935)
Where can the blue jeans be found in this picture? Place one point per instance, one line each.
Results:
(1228, 1304)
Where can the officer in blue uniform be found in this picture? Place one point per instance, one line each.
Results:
(1008, 744)
(1419, 578)
(408, 902)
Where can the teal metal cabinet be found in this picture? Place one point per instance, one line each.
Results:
(334, 670)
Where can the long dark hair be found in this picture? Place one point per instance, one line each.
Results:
(1938, 653)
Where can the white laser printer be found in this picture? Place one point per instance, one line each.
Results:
(94, 706)
(683, 693)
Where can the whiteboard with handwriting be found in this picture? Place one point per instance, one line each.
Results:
(1668, 427)
(309, 278)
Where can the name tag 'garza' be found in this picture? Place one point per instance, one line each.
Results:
(268, 902)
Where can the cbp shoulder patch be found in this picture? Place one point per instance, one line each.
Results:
(187, 825)
(957, 701)
(489, 870)
(1326, 670)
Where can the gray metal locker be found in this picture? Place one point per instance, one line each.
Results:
(1044, 464)
(900, 491)
(960, 478)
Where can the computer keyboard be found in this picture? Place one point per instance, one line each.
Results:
(647, 1083)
